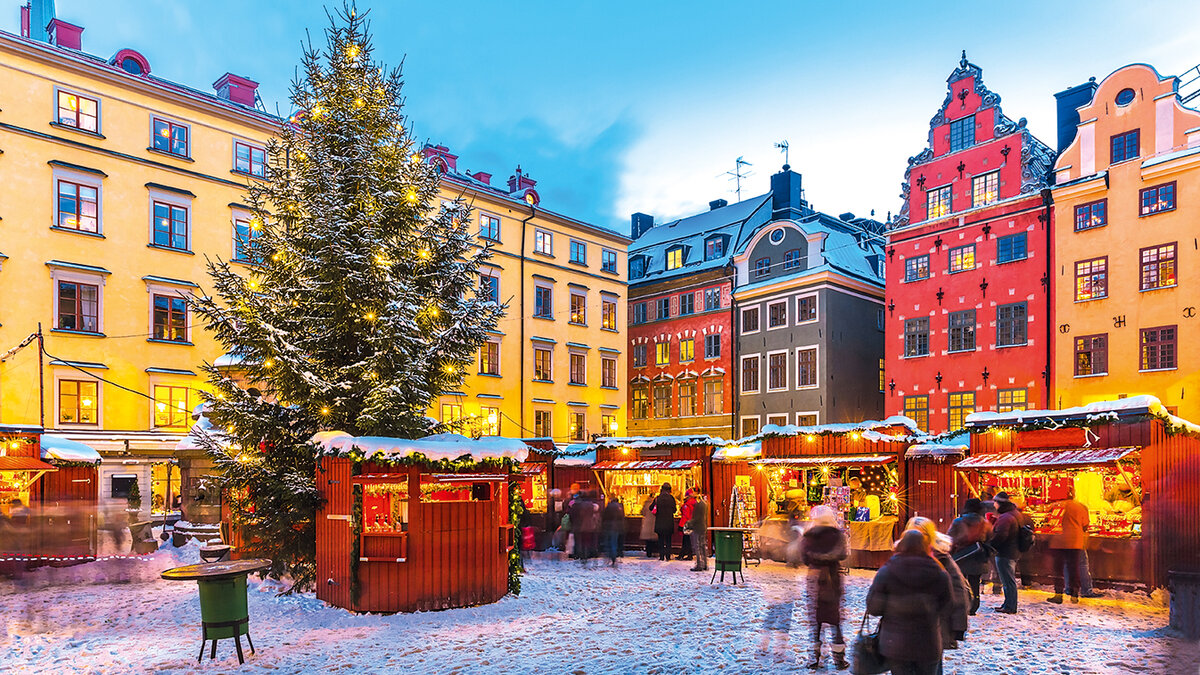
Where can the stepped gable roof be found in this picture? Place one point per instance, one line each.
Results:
(734, 222)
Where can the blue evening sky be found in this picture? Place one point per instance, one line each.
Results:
(620, 106)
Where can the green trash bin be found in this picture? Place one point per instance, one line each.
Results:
(224, 613)
(727, 544)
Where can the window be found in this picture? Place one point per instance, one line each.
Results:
(985, 189)
(172, 407)
(916, 268)
(170, 137)
(712, 298)
(777, 420)
(637, 267)
(792, 260)
(1093, 214)
(543, 365)
(937, 202)
(806, 419)
(962, 258)
(122, 485)
(249, 159)
(77, 402)
(246, 245)
(578, 309)
(962, 403)
(1011, 248)
(675, 258)
(777, 367)
(712, 346)
(489, 421)
(662, 400)
(1157, 199)
(541, 423)
(714, 396)
(916, 337)
(170, 226)
(608, 314)
(608, 424)
(1124, 146)
(879, 320)
(806, 367)
(806, 309)
(687, 398)
(777, 314)
(714, 247)
(1009, 400)
(749, 426)
(543, 302)
(762, 267)
(577, 429)
(170, 318)
(750, 380)
(1158, 348)
(662, 353)
(687, 350)
(639, 313)
(750, 320)
(641, 403)
(489, 288)
(608, 261)
(578, 369)
(687, 304)
(1091, 279)
(1158, 267)
(489, 358)
(662, 308)
(78, 207)
(578, 252)
(639, 356)
(1091, 355)
(962, 331)
(78, 307)
(882, 374)
(79, 112)
(489, 227)
(608, 372)
(962, 133)
(916, 408)
(543, 242)
(1011, 324)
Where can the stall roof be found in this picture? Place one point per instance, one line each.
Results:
(576, 455)
(646, 465)
(868, 428)
(1100, 411)
(648, 442)
(1045, 459)
(828, 460)
(534, 468)
(439, 446)
(742, 451)
(67, 450)
(945, 446)
(24, 464)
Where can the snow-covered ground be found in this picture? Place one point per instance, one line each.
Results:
(117, 616)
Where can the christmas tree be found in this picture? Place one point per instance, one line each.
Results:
(360, 309)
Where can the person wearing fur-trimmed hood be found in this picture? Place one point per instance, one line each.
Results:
(954, 623)
(823, 547)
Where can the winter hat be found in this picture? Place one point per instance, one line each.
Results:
(924, 526)
(1001, 497)
(912, 541)
(823, 515)
(973, 505)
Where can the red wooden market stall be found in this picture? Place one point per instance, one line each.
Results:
(1135, 466)
(412, 525)
(740, 491)
(932, 485)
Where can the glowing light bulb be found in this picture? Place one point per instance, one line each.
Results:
(268, 363)
(433, 311)
(370, 316)
(87, 402)
(810, 438)
(854, 435)
(449, 368)
(415, 159)
(411, 196)
(624, 451)
(358, 103)
(423, 254)
(352, 52)
(325, 410)
(253, 285)
(758, 467)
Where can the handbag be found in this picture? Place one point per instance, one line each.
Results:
(971, 553)
(866, 657)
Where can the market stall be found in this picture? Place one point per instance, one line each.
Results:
(1129, 461)
(739, 490)
(535, 485)
(413, 525)
(934, 489)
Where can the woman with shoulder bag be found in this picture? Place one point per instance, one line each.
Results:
(969, 534)
(912, 594)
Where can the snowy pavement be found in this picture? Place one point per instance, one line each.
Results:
(644, 617)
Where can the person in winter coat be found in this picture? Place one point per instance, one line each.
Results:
(912, 594)
(1067, 546)
(954, 625)
(647, 533)
(664, 521)
(823, 547)
(685, 514)
(698, 524)
(969, 535)
(612, 524)
(1005, 533)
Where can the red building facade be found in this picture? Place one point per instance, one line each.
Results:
(968, 260)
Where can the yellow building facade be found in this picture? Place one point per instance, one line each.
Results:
(1127, 213)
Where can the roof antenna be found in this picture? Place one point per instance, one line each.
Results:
(783, 146)
(737, 175)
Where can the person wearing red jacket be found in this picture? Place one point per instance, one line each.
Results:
(685, 514)
(1067, 545)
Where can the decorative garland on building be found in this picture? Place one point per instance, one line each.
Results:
(463, 464)
(356, 526)
(516, 509)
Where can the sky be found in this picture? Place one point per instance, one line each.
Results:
(616, 107)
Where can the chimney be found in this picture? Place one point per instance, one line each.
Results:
(63, 34)
(237, 89)
(482, 177)
(441, 157)
(717, 204)
(520, 182)
(787, 199)
(642, 222)
(35, 19)
(1067, 103)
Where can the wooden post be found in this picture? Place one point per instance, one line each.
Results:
(969, 485)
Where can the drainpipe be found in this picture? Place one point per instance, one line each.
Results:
(521, 369)
(735, 381)
(1047, 202)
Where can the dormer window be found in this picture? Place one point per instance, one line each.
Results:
(792, 260)
(762, 267)
(714, 247)
(637, 267)
(962, 133)
(675, 258)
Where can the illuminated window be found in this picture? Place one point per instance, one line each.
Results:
(541, 423)
(962, 258)
(916, 408)
(1124, 146)
(1091, 355)
(937, 202)
(77, 402)
(608, 315)
(79, 112)
(608, 425)
(78, 207)
(675, 258)
(985, 189)
(641, 403)
(916, 337)
(489, 358)
(542, 368)
(1158, 267)
(246, 241)
(916, 268)
(578, 309)
(249, 159)
(962, 331)
(170, 137)
(1012, 399)
(1092, 214)
(662, 353)
(170, 226)
(172, 407)
(687, 349)
(962, 403)
(576, 427)
(1158, 348)
(749, 426)
(962, 133)
(1091, 279)
(1157, 199)
(882, 374)
(170, 318)
(489, 421)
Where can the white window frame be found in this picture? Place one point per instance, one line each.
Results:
(742, 378)
(177, 122)
(742, 322)
(173, 199)
(83, 178)
(816, 303)
(76, 276)
(787, 366)
(99, 110)
(816, 348)
(543, 236)
(742, 423)
(160, 287)
(233, 155)
(499, 226)
(773, 303)
(815, 413)
(62, 372)
(776, 418)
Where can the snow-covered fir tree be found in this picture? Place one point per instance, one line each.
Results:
(360, 309)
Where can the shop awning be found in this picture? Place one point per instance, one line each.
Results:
(533, 469)
(1045, 459)
(647, 465)
(24, 464)
(828, 460)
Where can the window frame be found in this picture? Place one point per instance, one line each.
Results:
(79, 397)
(639, 314)
(543, 425)
(912, 337)
(80, 317)
(943, 197)
(1144, 366)
(760, 269)
(755, 369)
(171, 125)
(250, 149)
(757, 320)
(578, 247)
(719, 409)
(708, 353)
(608, 260)
(244, 247)
(960, 409)
(793, 262)
(815, 309)
(1022, 323)
(1157, 264)
(540, 369)
(687, 349)
(1087, 212)
(960, 127)
(816, 367)
(687, 303)
(639, 401)
(577, 314)
(489, 362)
(1023, 237)
(712, 293)
(913, 264)
(783, 322)
(1011, 405)
(1096, 347)
(184, 413)
(172, 300)
(1093, 273)
(661, 405)
(78, 183)
(686, 409)
(543, 242)
(576, 425)
(1143, 212)
(576, 368)
(57, 110)
(917, 414)
(491, 282)
(962, 330)
(662, 308)
(1124, 137)
(756, 419)
(638, 355)
(961, 267)
(546, 310)
(608, 314)
(674, 258)
(608, 372)
(492, 231)
(989, 177)
(662, 353)
(714, 247)
(774, 368)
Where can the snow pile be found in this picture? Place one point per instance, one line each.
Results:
(941, 447)
(66, 450)
(436, 447)
(652, 442)
(868, 428)
(1100, 411)
(576, 455)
